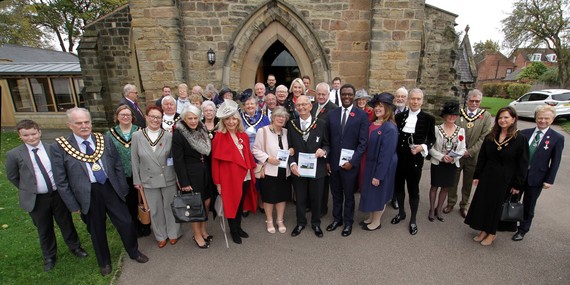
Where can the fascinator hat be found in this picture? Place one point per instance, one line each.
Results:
(227, 109)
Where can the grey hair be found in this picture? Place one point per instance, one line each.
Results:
(166, 98)
(128, 88)
(190, 109)
(209, 103)
(402, 90)
(323, 84)
(281, 87)
(543, 109)
(474, 92)
(279, 111)
(418, 91)
(76, 109)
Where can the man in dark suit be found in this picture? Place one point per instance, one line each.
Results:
(348, 129)
(89, 177)
(320, 110)
(130, 98)
(307, 135)
(417, 136)
(545, 146)
(29, 168)
(165, 92)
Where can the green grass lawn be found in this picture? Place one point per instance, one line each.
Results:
(493, 104)
(20, 254)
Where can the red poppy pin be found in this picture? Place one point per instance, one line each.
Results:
(352, 114)
(322, 111)
(314, 126)
(461, 138)
(481, 117)
(379, 132)
(160, 145)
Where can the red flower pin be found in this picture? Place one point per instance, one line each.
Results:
(352, 114)
(481, 117)
(379, 132)
(314, 126)
(461, 138)
(546, 142)
(322, 111)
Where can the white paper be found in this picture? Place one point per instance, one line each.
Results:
(307, 165)
(345, 156)
(454, 154)
(169, 161)
(283, 156)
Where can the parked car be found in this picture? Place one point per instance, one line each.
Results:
(558, 98)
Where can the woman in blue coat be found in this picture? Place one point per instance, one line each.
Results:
(379, 161)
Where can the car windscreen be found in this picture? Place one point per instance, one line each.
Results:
(561, 97)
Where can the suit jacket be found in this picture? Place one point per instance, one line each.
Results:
(152, 169)
(20, 172)
(424, 134)
(476, 134)
(139, 116)
(547, 157)
(438, 151)
(354, 136)
(72, 178)
(323, 114)
(318, 138)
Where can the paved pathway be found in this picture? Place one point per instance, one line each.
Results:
(441, 253)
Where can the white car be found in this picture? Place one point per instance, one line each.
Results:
(557, 98)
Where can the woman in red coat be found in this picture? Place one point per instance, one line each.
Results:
(233, 166)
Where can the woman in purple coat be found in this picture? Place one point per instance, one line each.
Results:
(379, 161)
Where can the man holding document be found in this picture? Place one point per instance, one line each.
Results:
(309, 145)
(348, 129)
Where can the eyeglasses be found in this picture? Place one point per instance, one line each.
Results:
(474, 101)
(154, 118)
(125, 115)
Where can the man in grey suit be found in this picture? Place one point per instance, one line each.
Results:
(29, 168)
(89, 176)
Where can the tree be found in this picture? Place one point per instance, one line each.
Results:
(66, 18)
(16, 27)
(532, 72)
(536, 22)
(484, 48)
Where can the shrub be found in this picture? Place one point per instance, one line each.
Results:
(515, 90)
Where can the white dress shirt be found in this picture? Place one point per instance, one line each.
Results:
(40, 181)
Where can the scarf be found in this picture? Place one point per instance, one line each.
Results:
(198, 139)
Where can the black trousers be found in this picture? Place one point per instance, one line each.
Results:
(409, 171)
(235, 224)
(105, 201)
(49, 207)
(531, 194)
(343, 186)
(304, 188)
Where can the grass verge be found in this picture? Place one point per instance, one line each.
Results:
(493, 104)
(21, 257)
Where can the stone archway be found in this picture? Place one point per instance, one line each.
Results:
(271, 22)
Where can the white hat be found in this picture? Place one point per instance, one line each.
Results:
(226, 109)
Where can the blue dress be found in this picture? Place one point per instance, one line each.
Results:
(380, 163)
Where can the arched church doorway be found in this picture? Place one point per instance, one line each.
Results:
(278, 61)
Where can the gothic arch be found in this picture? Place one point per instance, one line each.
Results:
(271, 22)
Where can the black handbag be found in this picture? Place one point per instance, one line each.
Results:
(188, 207)
(512, 211)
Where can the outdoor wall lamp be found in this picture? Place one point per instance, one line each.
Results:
(211, 57)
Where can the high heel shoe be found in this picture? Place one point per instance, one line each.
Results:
(438, 216)
(430, 216)
(209, 238)
(281, 226)
(270, 227)
(489, 239)
(204, 246)
(480, 237)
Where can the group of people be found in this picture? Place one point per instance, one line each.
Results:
(282, 144)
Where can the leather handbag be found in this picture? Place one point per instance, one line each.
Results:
(259, 172)
(188, 207)
(143, 209)
(512, 211)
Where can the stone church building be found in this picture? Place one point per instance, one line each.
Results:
(378, 45)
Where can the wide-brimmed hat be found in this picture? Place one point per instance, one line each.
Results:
(362, 94)
(226, 109)
(450, 108)
(246, 94)
(383, 97)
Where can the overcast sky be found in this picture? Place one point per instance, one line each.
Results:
(483, 16)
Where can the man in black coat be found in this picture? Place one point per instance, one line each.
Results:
(130, 98)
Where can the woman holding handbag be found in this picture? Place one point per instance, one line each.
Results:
(153, 173)
(121, 135)
(275, 188)
(232, 168)
(191, 149)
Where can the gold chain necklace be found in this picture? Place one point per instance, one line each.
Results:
(144, 131)
(504, 143)
(469, 120)
(118, 137)
(311, 126)
(77, 154)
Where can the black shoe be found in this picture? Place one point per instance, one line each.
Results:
(204, 246)
(141, 258)
(346, 231)
(261, 210)
(363, 223)
(413, 229)
(333, 226)
(297, 230)
(366, 228)
(245, 214)
(397, 219)
(106, 270)
(209, 238)
(79, 252)
(394, 204)
(518, 236)
(235, 237)
(318, 231)
(242, 233)
(49, 264)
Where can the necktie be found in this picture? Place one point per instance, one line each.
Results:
(98, 172)
(343, 121)
(303, 125)
(43, 170)
(534, 145)
(337, 98)
(471, 115)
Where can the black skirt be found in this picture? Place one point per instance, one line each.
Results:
(275, 189)
(443, 175)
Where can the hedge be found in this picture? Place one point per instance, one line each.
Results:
(505, 90)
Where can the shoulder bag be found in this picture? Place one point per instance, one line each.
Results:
(188, 207)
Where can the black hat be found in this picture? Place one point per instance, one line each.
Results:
(245, 95)
(383, 97)
(450, 108)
